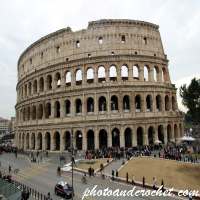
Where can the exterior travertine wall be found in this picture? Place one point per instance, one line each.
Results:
(113, 110)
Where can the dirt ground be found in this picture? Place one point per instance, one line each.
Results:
(94, 166)
(178, 175)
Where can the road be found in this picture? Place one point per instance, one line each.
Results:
(42, 178)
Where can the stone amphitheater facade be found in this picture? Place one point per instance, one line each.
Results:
(110, 83)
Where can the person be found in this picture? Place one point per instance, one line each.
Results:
(113, 173)
(127, 177)
(59, 170)
(162, 183)
(190, 194)
(144, 186)
(48, 196)
(90, 171)
(123, 162)
(133, 180)
(41, 159)
(84, 177)
(154, 183)
(117, 175)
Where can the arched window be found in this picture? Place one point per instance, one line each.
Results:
(114, 105)
(102, 105)
(167, 106)
(126, 106)
(25, 90)
(113, 73)
(173, 103)
(123, 39)
(90, 106)
(144, 40)
(40, 111)
(30, 86)
(57, 109)
(68, 79)
(77, 44)
(41, 84)
(136, 72)
(163, 74)
(35, 86)
(68, 109)
(155, 72)
(101, 75)
(124, 73)
(100, 40)
(48, 110)
(78, 107)
(158, 103)
(146, 73)
(28, 113)
(148, 103)
(137, 104)
(33, 112)
(90, 76)
(58, 79)
(49, 82)
(79, 77)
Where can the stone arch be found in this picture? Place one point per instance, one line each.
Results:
(32, 145)
(126, 104)
(101, 74)
(19, 139)
(30, 88)
(48, 110)
(90, 75)
(27, 141)
(102, 105)
(103, 138)
(58, 80)
(124, 73)
(56, 140)
(136, 72)
(49, 82)
(164, 75)
(57, 109)
(67, 106)
(149, 103)
(173, 103)
(158, 103)
(146, 73)
(169, 133)
(68, 78)
(90, 139)
(114, 104)
(25, 90)
(123, 39)
(40, 111)
(90, 106)
(151, 135)
(115, 137)
(78, 77)
(34, 86)
(167, 103)
(128, 138)
(156, 73)
(100, 40)
(140, 135)
(48, 141)
(78, 107)
(79, 140)
(138, 103)
(39, 141)
(176, 136)
(41, 84)
(161, 133)
(24, 114)
(28, 113)
(66, 138)
(113, 73)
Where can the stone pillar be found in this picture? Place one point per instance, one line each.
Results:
(151, 73)
(107, 71)
(84, 140)
(122, 137)
(130, 72)
(141, 72)
(119, 74)
(84, 75)
(159, 74)
(63, 81)
(165, 133)
(84, 107)
(145, 136)
(53, 146)
(96, 138)
(73, 78)
(95, 74)
(120, 103)
(52, 109)
(54, 81)
(109, 137)
(96, 103)
(108, 104)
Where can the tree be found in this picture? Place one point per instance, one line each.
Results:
(191, 98)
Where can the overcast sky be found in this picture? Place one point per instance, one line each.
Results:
(23, 22)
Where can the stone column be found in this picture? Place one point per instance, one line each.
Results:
(120, 103)
(107, 72)
(109, 137)
(84, 106)
(122, 137)
(84, 76)
(159, 74)
(151, 73)
(108, 104)
(73, 78)
(141, 72)
(63, 80)
(96, 103)
(95, 74)
(84, 140)
(165, 133)
(96, 138)
(52, 109)
(130, 71)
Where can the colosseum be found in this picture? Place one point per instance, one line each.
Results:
(109, 84)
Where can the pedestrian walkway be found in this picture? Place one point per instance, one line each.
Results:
(113, 166)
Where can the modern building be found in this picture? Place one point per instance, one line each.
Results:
(109, 82)
(3, 125)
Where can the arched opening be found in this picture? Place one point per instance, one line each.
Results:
(39, 140)
(57, 109)
(146, 73)
(90, 76)
(173, 103)
(164, 75)
(102, 105)
(28, 113)
(126, 106)
(79, 140)
(79, 77)
(40, 112)
(169, 133)
(148, 103)
(58, 79)
(68, 79)
(161, 133)
(176, 133)
(128, 140)
(114, 105)
(24, 114)
(67, 105)
(167, 106)
(33, 112)
(90, 106)
(67, 140)
(57, 140)
(140, 136)
(137, 104)
(27, 141)
(48, 110)
(155, 73)
(102, 138)
(48, 141)
(101, 75)
(22, 92)
(100, 40)
(158, 103)
(41, 84)
(23, 140)
(25, 90)
(124, 73)
(123, 39)
(113, 73)
(90, 140)
(115, 138)
(34, 87)
(150, 134)
(49, 82)
(32, 146)
(78, 107)
(77, 44)
(30, 87)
